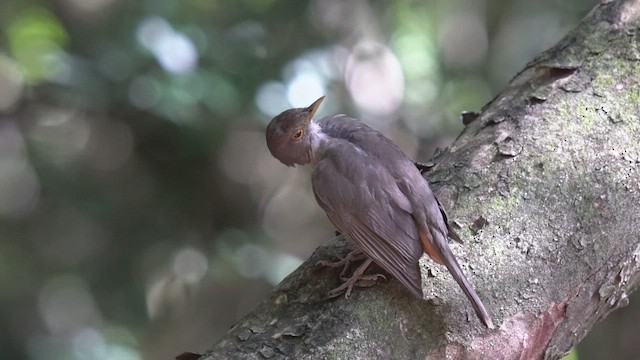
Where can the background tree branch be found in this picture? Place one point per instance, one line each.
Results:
(544, 186)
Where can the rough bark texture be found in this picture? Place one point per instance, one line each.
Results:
(545, 188)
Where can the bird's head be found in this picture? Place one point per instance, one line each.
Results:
(289, 136)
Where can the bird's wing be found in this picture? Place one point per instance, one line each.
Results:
(370, 140)
(364, 202)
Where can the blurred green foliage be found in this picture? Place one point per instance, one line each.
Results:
(140, 211)
(34, 37)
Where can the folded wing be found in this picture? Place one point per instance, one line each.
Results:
(363, 201)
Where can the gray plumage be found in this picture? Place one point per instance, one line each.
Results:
(372, 192)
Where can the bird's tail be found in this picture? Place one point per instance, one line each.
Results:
(456, 271)
(439, 250)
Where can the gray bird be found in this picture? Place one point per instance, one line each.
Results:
(373, 193)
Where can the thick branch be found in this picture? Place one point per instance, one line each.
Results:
(544, 184)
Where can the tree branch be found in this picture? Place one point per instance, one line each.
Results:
(544, 185)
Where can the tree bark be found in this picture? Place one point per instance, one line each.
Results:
(544, 186)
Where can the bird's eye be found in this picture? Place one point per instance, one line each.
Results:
(298, 134)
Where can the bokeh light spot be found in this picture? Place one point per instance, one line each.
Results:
(252, 260)
(66, 305)
(305, 88)
(11, 83)
(35, 35)
(90, 343)
(374, 79)
(282, 264)
(190, 265)
(60, 136)
(271, 98)
(416, 53)
(174, 51)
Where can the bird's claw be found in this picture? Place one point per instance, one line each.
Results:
(354, 256)
(355, 280)
(360, 281)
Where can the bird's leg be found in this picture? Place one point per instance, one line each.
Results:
(355, 255)
(358, 275)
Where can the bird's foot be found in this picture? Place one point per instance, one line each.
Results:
(355, 255)
(354, 280)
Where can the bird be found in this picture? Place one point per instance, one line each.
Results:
(373, 193)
